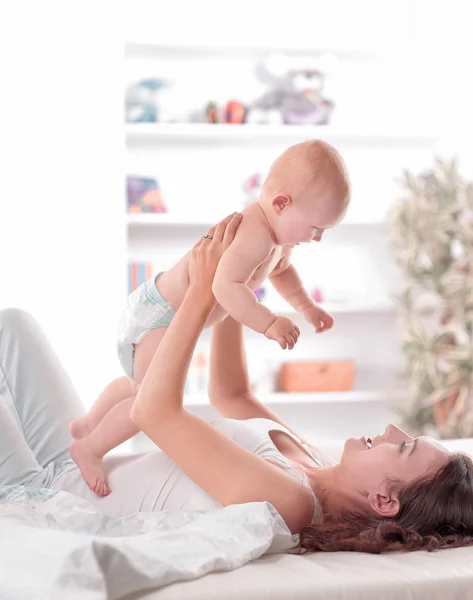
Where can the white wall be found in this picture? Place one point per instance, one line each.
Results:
(433, 35)
(62, 237)
(363, 24)
(204, 179)
(418, 82)
(62, 241)
(444, 48)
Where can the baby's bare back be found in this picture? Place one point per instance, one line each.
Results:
(173, 284)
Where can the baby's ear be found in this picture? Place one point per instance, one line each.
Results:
(280, 203)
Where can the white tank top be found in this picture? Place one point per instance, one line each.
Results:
(150, 481)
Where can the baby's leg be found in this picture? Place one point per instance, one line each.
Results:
(88, 452)
(115, 392)
(116, 426)
(144, 352)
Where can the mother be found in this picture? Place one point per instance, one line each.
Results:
(396, 493)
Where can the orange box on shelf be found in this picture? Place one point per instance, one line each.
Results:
(317, 376)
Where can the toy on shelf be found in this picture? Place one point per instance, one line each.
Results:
(234, 112)
(144, 195)
(310, 107)
(260, 293)
(317, 295)
(252, 188)
(211, 112)
(197, 381)
(317, 376)
(141, 101)
(295, 94)
(138, 273)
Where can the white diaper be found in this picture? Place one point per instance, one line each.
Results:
(145, 309)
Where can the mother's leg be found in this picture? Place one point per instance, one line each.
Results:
(18, 465)
(35, 387)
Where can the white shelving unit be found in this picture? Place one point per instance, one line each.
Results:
(201, 165)
(334, 398)
(204, 133)
(138, 49)
(346, 308)
(168, 220)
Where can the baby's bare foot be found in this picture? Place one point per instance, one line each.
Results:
(90, 466)
(79, 428)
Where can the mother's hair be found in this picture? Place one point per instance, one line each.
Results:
(435, 512)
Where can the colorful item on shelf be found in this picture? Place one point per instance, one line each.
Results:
(197, 381)
(141, 101)
(260, 293)
(252, 188)
(317, 376)
(144, 195)
(295, 94)
(201, 372)
(234, 112)
(309, 107)
(317, 295)
(138, 273)
(211, 112)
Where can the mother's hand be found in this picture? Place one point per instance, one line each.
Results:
(207, 252)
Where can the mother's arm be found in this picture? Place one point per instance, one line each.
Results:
(230, 473)
(230, 390)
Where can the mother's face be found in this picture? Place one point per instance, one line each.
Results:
(370, 465)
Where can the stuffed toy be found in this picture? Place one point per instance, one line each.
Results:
(295, 96)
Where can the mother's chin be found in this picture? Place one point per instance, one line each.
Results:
(355, 444)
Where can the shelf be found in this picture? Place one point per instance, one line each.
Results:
(341, 309)
(156, 133)
(167, 220)
(351, 397)
(172, 220)
(178, 50)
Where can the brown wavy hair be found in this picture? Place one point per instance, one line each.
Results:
(435, 512)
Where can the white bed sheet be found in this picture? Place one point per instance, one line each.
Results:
(442, 575)
(54, 546)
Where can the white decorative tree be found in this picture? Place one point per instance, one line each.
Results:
(433, 242)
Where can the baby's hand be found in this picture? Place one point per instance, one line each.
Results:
(284, 332)
(319, 318)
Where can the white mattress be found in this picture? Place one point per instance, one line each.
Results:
(442, 575)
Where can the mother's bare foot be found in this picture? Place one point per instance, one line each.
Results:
(90, 466)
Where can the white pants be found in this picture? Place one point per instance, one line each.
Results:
(37, 402)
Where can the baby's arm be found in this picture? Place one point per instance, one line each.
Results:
(288, 284)
(251, 247)
(239, 262)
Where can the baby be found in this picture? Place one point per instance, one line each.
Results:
(305, 193)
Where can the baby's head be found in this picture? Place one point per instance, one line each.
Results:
(306, 191)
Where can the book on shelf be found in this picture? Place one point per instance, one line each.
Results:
(144, 195)
(138, 273)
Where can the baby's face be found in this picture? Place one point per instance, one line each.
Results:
(306, 221)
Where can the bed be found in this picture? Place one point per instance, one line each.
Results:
(54, 545)
(447, 574)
